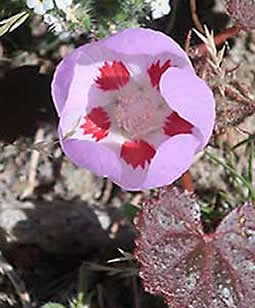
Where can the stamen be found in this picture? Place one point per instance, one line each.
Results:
(138, 115)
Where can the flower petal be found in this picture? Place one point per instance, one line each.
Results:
(48, 5)
(131, 179)
(147, 42)
(74, 79)
(96, 157)
(113, 76)
(88, 84)
(137, 153)
(191, 98)
(97, 123)
(175, 125)
(156, 70)
(40, 7)
(62, 79)
(172, 159)
(32, 3)
(63, 4)
(137, 49)
(156, 168)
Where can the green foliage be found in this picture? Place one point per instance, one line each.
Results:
(103, 17)
(113, 15)
(131, 14)
(250, 139)
(243, 181)
(85, 16)
(249, 143)
(83, 297)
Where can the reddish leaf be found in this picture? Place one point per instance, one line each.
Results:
(243, 12)
(188, 267)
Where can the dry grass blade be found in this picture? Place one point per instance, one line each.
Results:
(215, 57)
(126, 257)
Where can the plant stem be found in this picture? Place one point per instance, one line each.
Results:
(186, 180)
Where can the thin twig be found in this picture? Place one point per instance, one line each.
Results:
(193, 9)
(187, 41)
(35, 156)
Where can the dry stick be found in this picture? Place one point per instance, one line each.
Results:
(193, 9)
(187, 42)
(33, 166)
(18, 284)
(186, 180)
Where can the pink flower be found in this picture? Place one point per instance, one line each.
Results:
(132, 109)
(188, 267)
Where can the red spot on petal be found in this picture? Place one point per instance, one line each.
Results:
(96, 123)
(112, 76)
(155, 72)
(175, 125)
(137, 153)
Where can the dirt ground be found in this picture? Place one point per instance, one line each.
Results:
(55, 216)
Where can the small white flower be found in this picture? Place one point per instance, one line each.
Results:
(40, 6)
(63, 4)
(160, 8)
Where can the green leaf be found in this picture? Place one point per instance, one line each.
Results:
(245, 141)
(13, 22)
(250, 163)
(53, 305)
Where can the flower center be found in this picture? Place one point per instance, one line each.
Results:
(139, 114)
